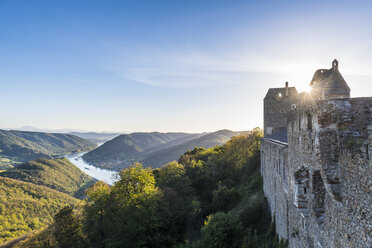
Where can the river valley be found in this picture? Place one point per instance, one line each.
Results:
(100, 174)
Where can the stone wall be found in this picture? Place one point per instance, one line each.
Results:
(325, 197)
(274, 171)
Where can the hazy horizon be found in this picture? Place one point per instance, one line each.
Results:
(69, 130)
(188, 66)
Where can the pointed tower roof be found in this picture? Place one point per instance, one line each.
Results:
(330, 81)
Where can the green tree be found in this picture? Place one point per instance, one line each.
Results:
(221, 230)
(133, 204)
(173, 216)
(126, 213)
(173, 175)
(96, 213)
(224, 199)
(136, 185)
(68, 229)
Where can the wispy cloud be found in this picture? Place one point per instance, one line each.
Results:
(185, 69)
(193, 69)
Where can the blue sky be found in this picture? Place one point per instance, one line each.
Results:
(170, 65)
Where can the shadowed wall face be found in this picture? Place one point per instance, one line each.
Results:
(321, 193)
(278, 102)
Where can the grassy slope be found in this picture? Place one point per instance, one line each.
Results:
(59, 174)
(19, 146)
(25, 207)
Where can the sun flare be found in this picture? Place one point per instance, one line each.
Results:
(308, 89)
(304, 88)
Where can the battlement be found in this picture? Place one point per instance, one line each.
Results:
(317, 168)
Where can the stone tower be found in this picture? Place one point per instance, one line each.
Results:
(329, 84)
(278, 102)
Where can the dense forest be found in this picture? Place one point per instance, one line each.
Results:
(20, 146)
(25, 207)
(209, 198)
(33, 192)
(59, 174)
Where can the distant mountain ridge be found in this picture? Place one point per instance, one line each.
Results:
(44, 130)
(162, 156)
(152, 149)
(95, 137)
(22, 146)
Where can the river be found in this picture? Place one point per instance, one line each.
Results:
(97, 173)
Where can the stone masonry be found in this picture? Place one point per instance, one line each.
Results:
(316, 163)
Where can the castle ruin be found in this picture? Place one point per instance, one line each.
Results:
(316, 163)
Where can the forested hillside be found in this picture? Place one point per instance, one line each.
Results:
(20, 146)
(59, 174)
(25, 207)
(151, 149)
(209, 198)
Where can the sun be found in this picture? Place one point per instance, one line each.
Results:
(304, 88)
(308, 89)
